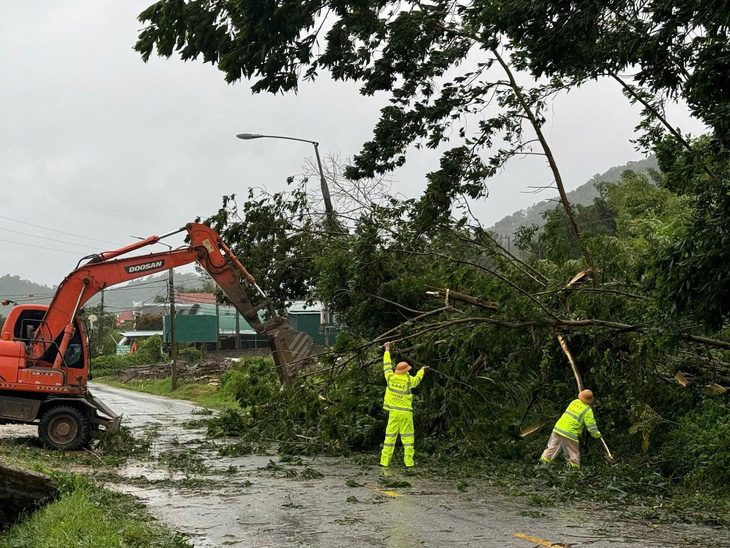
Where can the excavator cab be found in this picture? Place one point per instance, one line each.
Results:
(32, 391)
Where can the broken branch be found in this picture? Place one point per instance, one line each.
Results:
(564, 346)
(463, 297)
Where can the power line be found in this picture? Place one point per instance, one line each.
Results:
(40, 247)
(55, 230)
(29, 293)
(22, 298)
(49, 239)
(183, 283)
(40, 294)
(30, 299)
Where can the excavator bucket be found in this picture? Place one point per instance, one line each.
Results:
(291, 346)
(291, 349)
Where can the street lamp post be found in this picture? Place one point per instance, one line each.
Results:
(329, 210)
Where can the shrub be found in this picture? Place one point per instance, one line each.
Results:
(150, 351)
(697, 451)
(251, 383)
(190, 354)
(346, 417)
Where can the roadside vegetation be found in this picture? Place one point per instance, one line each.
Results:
(206, 395)
(110, 369)
(149, 352)
(87, 516)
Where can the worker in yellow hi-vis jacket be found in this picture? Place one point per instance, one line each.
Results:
(398, 403)
(568, 429)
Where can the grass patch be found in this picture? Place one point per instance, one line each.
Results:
(86, 516)
(188, 463)
(111, 451)
(205, 395)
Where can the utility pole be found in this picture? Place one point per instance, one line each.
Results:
(100, 347)
(173, 342)
(324, 323)
(217, 325)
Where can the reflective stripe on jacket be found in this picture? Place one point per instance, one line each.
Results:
(577, 415)
(398, 395)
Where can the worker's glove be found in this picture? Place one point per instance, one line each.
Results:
(425, 368)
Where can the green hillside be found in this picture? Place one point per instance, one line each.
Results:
(17, 289)
(583, 195)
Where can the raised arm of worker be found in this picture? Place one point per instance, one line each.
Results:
(387, 364)
(418, 377)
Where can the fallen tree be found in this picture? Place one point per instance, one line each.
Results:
(629, 283)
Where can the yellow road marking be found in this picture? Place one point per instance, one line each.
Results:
(389, 493)
(384, 492)
(533, 539)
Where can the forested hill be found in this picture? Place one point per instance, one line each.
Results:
(17, 289)
(116, 299)
(583, 195)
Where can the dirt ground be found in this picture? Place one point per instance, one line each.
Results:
(260, 500)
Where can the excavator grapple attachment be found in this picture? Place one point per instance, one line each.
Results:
(291, 349)
(110, 422)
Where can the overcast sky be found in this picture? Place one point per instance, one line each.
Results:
(94, 142)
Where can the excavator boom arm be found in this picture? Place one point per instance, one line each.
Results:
(290, 348)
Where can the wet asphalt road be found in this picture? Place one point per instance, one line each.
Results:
(255, 500)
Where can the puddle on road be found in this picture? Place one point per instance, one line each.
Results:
(149, 472)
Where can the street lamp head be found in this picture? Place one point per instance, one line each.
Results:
(323, 181)
(249, 136)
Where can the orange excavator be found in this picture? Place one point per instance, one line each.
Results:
(44, 364)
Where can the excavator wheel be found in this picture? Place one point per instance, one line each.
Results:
(65, 427)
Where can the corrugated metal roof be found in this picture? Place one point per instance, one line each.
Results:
(207, 298)
(141, 333)
(301, 307)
